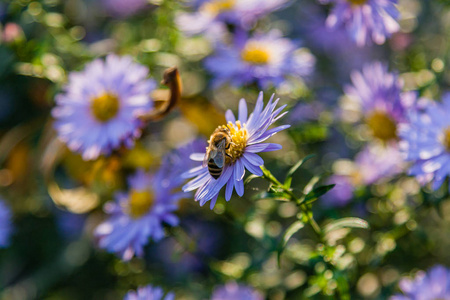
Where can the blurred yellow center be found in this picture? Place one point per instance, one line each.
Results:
(446, 139)
(239, 138)
(357, 2)
(217, 6)
(140, 203)
(382, 125)
(255, 54)
(105, 106)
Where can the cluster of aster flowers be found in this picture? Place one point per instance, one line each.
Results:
(242, 54)
(248, 134)
(365, 20)
(434, 284)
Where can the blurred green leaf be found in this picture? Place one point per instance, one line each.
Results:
(288, 180)
(316, 193)
(346, 223)
(290, 231)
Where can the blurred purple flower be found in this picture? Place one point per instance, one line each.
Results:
(139, 214)
(234, 291)
(373, 163)
(98, 110)
(247, 136)
(213, 14)
(365, 20)
(70, 225)
(148, 292)
(179, 261)
(124, 9)
(264, 59)
(306, 112)
(6, 226)
(341, 194)
(426, 142)
(435, 284)
(378, 93)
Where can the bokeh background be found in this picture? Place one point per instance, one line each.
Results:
(56, 198)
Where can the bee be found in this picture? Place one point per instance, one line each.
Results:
(216, 154)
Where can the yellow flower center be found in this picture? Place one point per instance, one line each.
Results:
(216, 7)
(105, 106)
(382, 125)
(255, 54)
(446, 139)
(239, 136)
(357, 2)
(140, 203)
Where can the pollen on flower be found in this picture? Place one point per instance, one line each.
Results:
(254, 53)
(382, 125)
(140, 202)
(217, 6)
(105, 106)
(239, 137)
(446, 139)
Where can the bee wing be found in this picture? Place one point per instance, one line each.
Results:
(220, 158)
(209, 154)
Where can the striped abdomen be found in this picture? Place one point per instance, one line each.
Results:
(213, 169)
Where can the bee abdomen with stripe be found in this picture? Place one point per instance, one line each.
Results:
(213, 169)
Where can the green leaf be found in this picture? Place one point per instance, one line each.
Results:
(316, 193)
(290, 231)
(346, 223)
(310, 185)
(250, 178)
(288, 180)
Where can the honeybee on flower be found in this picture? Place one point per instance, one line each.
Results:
(247, 134)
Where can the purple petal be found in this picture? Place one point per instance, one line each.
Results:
(197, 156)
(254, 159)
(243, 111)
(239, 170)
(239, 185)
(266, 147)
(229, 189)
(230, 117)
(253, 169)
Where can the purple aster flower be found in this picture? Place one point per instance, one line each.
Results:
(123, 9)
(98, 110)
(264, 59)
(435, 284)
(378, 94)
(426, 142)
(374, 163)
(5, 225)
(211, 14)
(365, 20)
(247, 137)
(234, 291)
(148, 292)
(341, 194)
(139, 214)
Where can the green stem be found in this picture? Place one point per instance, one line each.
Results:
(303, 207)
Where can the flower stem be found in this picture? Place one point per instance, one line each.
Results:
(298, 201)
